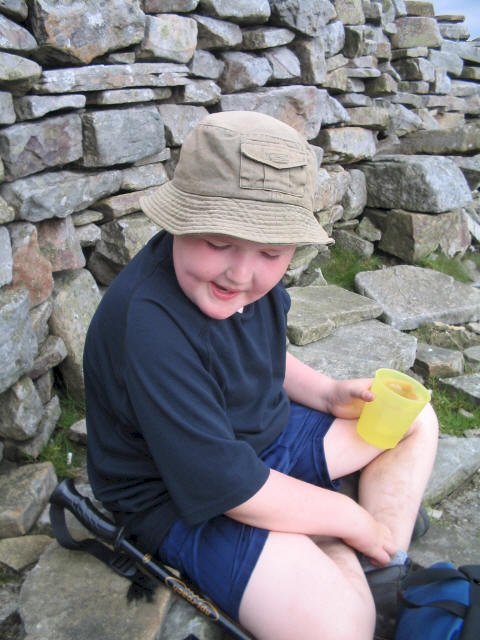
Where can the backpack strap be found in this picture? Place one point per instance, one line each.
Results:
(471, 626)
(470, 613)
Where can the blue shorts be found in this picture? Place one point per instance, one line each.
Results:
(219, 555)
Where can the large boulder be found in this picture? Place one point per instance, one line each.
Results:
(76, 32)
(430, 184)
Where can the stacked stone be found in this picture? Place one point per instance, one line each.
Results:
(97, 98)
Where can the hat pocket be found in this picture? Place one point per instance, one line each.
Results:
(273, 167)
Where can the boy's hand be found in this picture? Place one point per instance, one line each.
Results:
(376, 543)
(347, 397)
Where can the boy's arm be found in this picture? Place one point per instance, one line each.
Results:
(290, 505)
(341, 398)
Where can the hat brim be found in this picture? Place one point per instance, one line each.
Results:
(183, 213)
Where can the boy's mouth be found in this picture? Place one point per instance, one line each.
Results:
(222, 293)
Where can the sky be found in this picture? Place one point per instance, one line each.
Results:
(469, 8)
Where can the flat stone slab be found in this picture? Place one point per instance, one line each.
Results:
(317, 311)
(454, 536)
(412, 296)
(457, 460)
(469, 384)
(64, 585)
(358, 350)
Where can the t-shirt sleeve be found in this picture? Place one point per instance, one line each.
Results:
(180, 408)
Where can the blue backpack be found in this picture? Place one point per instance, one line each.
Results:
(440, 603)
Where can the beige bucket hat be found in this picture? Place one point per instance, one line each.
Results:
(245, 175)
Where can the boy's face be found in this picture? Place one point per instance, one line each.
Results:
(222, 275)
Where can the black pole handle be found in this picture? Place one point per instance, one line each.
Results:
(65, 495)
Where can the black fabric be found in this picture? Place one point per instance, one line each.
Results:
(178, 405)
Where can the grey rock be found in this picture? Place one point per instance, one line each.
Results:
(78, 432)
(306, 17)
(44, 386)
(353, 242)
(76, 298)
(300, 262)
(123, 238)
(246, 12)
(243, 71)
(347, 145)
(127, 96)
(7, 112)
(451, 336)
(470, 166)
(18, 74)
(138, 178)
(463, 88)
(468, 384)
(333, 36)
(31, 448)
(300, 107)
(265, 37)
(65, 584)
(73, 33)
(6, 261)
(416, 32)
(468, 51)
(24, 493)
(18, 344)
(39, 316)
(88, 235)
(311, 53)
(438, 362)
(28, 148)
(15, 38)
(374, 117)
(205, 65)
(179, 120)
(472, 359)
(168, 37)
(138, 133)
(20, 552)
(87, 216)
(316, 311)
(412, 296)
(201, 92)
(401, 120)
(358, 350)
(111, 76)
(446, 60)
(331, 187)
(415, 69)
(416, 183)
(121, 205)
(51, 352)
(458, 31)
(350, 11)
(457, 460)
(58, 193)
(367, 230)
(413, 236)
(182, 618)
(217, 34)
(15, 8)
(31, 107)
(169, 6)
(20, 410)
(471, 73)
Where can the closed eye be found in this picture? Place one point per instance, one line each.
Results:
(217, 247)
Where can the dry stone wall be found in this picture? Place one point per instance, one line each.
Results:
(96, 99)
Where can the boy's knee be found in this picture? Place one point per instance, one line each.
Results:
(426, 424)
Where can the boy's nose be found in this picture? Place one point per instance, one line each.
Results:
(240, 271)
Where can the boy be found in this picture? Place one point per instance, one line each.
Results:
(219, 450)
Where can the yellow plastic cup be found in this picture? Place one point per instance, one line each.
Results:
(398, 401)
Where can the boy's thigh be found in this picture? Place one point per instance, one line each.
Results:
(301, 590)
(345, 451)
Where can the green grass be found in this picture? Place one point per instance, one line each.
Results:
(447, 403)
(450, 266)
(343, 266)
(59, 445)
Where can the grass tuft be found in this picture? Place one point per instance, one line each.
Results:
(60, 446)
(450, 266)
(446, 403)
(343, 266)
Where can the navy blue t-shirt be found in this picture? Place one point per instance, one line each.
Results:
(178, 404)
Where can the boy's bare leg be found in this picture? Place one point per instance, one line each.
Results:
(392, 482)
(301, 590)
